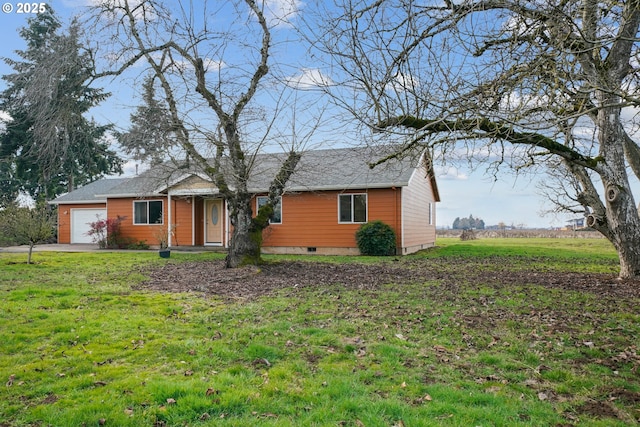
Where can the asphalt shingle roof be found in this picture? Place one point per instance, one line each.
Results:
(88, 193)
(328, 169)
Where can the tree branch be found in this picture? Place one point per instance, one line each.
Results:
(491, 130)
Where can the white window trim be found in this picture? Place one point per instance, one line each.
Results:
(281, 213)
(366, 213)
(133, 207)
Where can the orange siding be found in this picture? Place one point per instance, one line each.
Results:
(137, 233)
(311, 219)
(64, 219)
(181, 224)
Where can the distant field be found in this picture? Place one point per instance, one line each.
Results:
(527, 233)
(491, 332)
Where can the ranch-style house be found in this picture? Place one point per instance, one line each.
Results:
(331, 193)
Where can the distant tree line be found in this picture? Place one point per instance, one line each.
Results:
(468, 223)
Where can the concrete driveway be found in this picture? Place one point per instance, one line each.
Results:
(54, 247)
(92, 247)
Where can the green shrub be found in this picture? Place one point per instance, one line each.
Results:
(376, 238)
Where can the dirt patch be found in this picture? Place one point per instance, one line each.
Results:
(50, 399)
(597, 409)
(211, 277)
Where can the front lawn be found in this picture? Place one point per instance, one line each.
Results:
(493, 332)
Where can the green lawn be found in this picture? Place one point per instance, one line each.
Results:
(81, 345)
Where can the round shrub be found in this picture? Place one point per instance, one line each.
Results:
(376, 238)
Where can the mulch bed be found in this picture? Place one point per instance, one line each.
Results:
(212, 278)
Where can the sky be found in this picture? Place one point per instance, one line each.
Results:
(463, 191)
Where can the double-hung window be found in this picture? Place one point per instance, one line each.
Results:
(147, 212)
(352, 208)
(276, 218)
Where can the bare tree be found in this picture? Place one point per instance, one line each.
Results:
(214, 80)
(27, 226)
(509, 82)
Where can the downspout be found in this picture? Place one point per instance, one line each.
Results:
(169, 220)
(398, 202)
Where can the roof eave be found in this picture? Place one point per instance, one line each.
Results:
(335, 187)
(76, 202)
(130, 195)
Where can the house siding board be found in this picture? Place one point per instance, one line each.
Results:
(181, 222)
(138, 233)
(193, 183)
(64, 219)
(416, 196)
(310, 219)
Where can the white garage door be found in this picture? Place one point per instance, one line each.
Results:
(80, 220)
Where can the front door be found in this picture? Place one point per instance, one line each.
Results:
(214, 223)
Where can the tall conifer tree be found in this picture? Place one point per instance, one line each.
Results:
(49, 146)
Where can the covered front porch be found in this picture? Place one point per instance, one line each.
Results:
(197, 221)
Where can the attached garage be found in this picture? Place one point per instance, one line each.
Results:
(80, 220)
(78, 209)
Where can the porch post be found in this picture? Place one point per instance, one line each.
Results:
(193, 220)
(227, 231)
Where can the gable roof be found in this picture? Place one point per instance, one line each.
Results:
(317, 170)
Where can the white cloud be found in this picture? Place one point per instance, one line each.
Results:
(209, 65)
(451, 174)
(281, 13)
(402, 82)
(5, 117)
(309, 78)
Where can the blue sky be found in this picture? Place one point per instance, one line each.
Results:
(463, 191)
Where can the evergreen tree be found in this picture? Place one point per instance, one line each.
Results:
(49, 146)
(468, 223)
(456, 223)
(150, 138)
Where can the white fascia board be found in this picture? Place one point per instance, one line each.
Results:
(336, 187)
(130, 195)
(77, 202)
(194, 192)
(181, 178)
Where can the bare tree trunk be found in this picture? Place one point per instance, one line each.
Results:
(31, 245)
(244, 247)
(622, 222)
(246, 240)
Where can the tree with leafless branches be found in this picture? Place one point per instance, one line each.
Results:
(220, 90)
(522, 84)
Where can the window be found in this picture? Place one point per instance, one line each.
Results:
(352, 208)
(276, 218)
(147, 212)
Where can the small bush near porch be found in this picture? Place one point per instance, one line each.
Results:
(518, 332)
